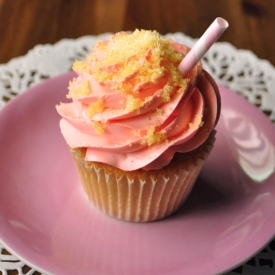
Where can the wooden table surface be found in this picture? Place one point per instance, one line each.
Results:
(24, 24)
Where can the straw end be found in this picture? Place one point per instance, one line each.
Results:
(223, 24)
(210, 36)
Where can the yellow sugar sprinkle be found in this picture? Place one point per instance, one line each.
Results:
(84, 90)
(159, 111)
(136, 133)
(197, 124)
(95, 108)
(81, 66)
(153, 136)
(183, 84)
(166, 94)
(130, 59)
(99, 127)
(132, 103)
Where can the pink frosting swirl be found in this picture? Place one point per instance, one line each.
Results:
(126, 119)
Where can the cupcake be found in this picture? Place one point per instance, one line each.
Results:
(137, 130)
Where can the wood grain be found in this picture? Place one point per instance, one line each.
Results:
(24, 24)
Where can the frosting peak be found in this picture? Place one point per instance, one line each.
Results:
(131, 107)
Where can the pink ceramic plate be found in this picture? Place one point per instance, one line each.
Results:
(46, 219)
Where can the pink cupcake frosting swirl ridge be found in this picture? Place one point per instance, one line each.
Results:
(143, 128)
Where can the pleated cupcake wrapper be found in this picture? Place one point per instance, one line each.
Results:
(137, 199)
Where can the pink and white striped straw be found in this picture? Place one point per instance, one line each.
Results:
(210, 36)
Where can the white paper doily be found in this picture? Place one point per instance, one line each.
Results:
(239, 70)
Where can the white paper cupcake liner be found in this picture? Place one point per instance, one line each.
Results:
(137, 198)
